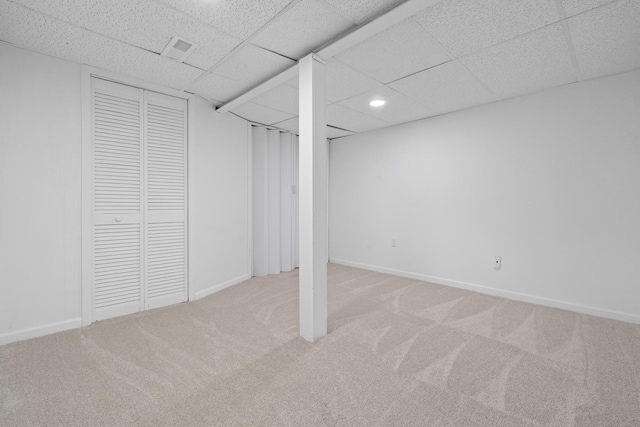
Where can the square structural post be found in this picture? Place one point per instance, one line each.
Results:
(313, 191)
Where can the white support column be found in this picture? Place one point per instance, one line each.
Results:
(313, 200)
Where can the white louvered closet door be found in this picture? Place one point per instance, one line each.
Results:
(166, 201)
(139, 199)
(117, 199)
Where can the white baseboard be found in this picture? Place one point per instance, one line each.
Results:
(593, 311)
(217, 288)
(39, 331)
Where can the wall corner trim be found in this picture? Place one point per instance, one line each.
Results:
(217, 288)
(577, 308)
(39, 331)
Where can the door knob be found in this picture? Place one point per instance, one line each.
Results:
(118, 219)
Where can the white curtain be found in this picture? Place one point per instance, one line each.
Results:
(275, 201)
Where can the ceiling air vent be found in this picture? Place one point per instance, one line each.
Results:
(178, 49)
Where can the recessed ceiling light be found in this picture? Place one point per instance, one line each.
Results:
(377, 102)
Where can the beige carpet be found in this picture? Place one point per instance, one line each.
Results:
(399, 353)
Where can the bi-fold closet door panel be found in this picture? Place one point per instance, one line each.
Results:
(139, 199)
(118, 257)
(166, 200)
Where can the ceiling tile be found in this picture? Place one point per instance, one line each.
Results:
(346, 118)
(533, 62)
(240, 18)
(252, 65)
(361, 11)
(294, 82)
(290, 124)
(333, 133)
(398, 108)
(301, 29)
(607, 39)
(467, 26)
(141, 23)
(573, 7)
(259, 114)
(282, 98)
(111, 55)
(217, 87)
(344, 82)
(445, 88)
(27, 28)
(403, 49)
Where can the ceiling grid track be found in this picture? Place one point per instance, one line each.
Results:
(243, 44)
(424, 57)
(567, 35)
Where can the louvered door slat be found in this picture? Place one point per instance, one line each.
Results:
(117, 199)
(113, 265)
(166, 199)
(170, 274)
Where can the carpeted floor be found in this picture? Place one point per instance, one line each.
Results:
(399, 353)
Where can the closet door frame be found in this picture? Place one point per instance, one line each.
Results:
(87, 73)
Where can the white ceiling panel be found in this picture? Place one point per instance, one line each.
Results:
(529, 63)
(302, 29)
(259, 114)
(467, 26)
(294, 82)
(344, 82)
(290, 124)
(251, 65)
(337, 133)
(403, 49)
(282, 98)
(352, 120)
(213, 86)
(447, 87)
(240, 18)
(27, 28)
(607, 39)
(142, 23)
(573, 7)
(398, 108)
(360, 11)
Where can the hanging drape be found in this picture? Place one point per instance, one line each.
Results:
(275, 201)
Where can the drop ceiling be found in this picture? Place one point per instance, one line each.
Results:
(452, 55)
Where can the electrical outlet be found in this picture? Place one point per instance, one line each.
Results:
(393, 243)
(497, 263)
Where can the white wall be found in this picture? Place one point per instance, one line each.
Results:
(40, 175)
(550, 181)
(218, 201)
(40, 196)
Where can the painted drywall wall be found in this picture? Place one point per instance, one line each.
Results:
(40, 211)
(40, 196)
(218, 201)
(550, 182)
